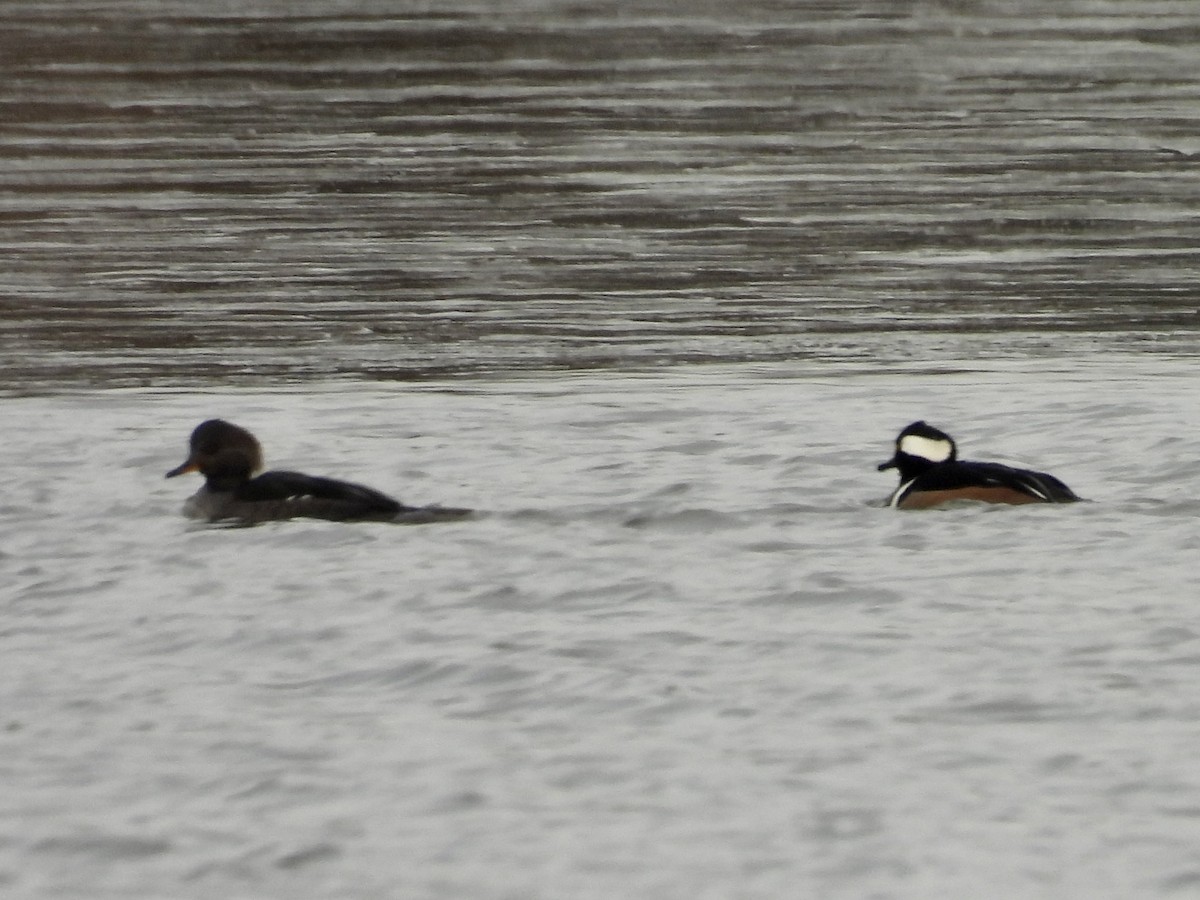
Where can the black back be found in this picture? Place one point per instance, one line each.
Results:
(318, 497)
(949, 476)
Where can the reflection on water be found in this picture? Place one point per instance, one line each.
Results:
(276, 190)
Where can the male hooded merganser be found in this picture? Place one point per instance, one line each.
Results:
(228, 456)
(931, 473)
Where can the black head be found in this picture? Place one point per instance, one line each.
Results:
(918, 447)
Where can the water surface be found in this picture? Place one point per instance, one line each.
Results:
(653, 286)
(683, 653)
(272, 191)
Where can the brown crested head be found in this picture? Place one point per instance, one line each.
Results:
(222, 449)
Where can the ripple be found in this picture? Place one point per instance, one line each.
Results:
(506, 204)
(112, 847)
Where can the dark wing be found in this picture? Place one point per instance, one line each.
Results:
(316, 497)
(976, 474)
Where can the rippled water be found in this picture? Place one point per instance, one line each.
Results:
(683, 653)
(380, 190)
(653, 286)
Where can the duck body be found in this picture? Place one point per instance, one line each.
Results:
(289, 495)
(931, 474)
(228, 456)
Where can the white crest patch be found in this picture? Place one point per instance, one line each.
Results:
(933, 449)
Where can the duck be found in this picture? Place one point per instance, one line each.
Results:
(228, 456)
(932, 474)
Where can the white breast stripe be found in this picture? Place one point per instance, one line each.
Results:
(895, 499)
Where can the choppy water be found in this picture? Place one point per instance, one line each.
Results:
(653, 286)
(380, 190)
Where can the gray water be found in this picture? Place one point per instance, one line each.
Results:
(266, 191)
(652, 286)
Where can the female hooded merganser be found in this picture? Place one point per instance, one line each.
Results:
(227, 456)
(931, 473)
